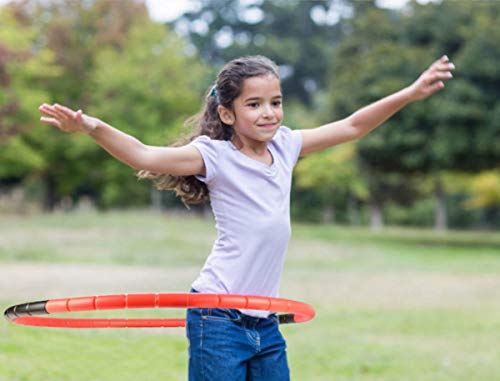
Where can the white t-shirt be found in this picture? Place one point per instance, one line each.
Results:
(251, 205)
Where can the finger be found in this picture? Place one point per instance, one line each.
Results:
(441, 75)
(63, 115)
(51, 111)
(51, 121)
(65, 110)
(438, 62)
(443, 60)
(46, 109)
(436, 87)
(57, 115)
(78, 116)
(43, 106)
(445, 67)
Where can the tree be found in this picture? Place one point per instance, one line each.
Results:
(334, 175)
(298, 35)
(96, 45)
(24, 67)
(452, 131)
(484, 193)
(146, 87)
(367, 65)
(465, 129)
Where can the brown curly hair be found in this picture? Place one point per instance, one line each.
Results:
(227, 88)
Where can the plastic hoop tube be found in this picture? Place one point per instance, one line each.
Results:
(28, 313)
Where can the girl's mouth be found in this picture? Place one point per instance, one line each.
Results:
(268, 125)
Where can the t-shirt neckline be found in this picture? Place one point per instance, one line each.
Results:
(268, 168)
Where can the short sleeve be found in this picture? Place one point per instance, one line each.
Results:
(208, 150)
(296, 137)
(291, 142)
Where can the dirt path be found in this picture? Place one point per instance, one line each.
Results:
(34, 281)
(31, 281)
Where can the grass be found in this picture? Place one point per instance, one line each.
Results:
(400, 304)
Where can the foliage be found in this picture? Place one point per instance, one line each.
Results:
(115, 62)
(485, 189)
(453, 131)
(109, 59)
(24, 68)
(146, 88)
(332, 171)
(225, 29)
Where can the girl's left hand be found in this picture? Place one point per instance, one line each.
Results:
(431, 80)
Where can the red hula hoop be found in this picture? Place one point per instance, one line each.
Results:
(26, 314)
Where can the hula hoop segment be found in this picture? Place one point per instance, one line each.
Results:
(27, 313)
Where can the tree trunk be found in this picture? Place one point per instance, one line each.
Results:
(377, 218)
(441, 222)
(49, 195)
(328, 214)
(156, 204)
(353, 212)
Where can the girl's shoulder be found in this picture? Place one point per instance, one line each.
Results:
(283, 132)
(285, 135)
(289, 143)
(208, 143)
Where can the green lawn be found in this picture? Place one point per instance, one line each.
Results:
(396, 305)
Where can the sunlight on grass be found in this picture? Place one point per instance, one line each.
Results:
(401, 304)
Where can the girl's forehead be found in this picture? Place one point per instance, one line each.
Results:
(262, 86)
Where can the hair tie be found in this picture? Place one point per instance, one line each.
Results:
(214, 93)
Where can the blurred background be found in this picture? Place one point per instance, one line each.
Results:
(435, 164)
(395, 237)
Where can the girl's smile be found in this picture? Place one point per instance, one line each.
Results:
(269, 125)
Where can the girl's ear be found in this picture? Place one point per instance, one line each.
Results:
(226, 115)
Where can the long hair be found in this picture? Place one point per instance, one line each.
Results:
(227, 88)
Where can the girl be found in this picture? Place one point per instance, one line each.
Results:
(242, 160)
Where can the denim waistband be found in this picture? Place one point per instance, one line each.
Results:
(246, 319)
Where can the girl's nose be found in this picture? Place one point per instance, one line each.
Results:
(267, 111)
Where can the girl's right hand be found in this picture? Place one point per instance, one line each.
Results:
(68, 120)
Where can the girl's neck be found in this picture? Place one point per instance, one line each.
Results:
(249, 146)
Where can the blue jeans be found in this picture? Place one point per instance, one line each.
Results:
(226, 345)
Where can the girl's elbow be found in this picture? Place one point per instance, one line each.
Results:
(353, 131)
(145, 160)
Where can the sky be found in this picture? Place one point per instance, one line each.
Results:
(162, 10)
(168, 10)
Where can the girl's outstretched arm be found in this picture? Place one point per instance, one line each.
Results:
(366, 119)
(177, 161)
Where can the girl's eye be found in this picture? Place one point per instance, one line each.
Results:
(256, 104)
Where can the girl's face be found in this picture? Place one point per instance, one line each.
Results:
(257, 113)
